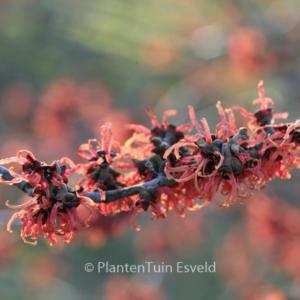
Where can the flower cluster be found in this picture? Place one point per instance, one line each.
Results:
(163, 168)
(53, 209)
(235, 162)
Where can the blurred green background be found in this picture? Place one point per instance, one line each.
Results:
(67, 67)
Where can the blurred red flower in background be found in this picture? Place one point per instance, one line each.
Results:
(131, 289)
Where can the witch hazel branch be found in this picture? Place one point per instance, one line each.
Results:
(160, 169)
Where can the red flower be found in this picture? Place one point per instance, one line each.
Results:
(50, 218)
(157, 140)
(265, 115)
(37, 174)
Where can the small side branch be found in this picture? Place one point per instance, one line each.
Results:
(23, 185)
(114, 195)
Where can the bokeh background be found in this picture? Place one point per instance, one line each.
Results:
(67, 67)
